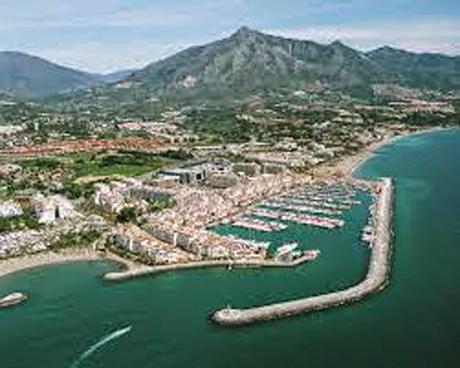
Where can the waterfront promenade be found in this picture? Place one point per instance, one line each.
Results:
(376, 279)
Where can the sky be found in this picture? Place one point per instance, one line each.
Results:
(108, 35)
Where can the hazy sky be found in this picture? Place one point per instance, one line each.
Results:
(106, 35)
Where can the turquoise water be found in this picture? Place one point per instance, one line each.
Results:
(413, 323)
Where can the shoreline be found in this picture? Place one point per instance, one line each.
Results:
(376, 278)
(28, 262)
(347, 164)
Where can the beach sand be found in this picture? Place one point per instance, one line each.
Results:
(17, 264)
(345, 166)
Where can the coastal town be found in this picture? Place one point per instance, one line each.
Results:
(154, 195)
(229, 184)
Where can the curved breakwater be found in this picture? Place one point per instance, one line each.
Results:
(375, 280)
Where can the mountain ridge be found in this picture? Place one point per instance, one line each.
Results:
(246, 62)
(249, 60)
(26, 76)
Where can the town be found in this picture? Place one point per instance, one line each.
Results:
(151, 191)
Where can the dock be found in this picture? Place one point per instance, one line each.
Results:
(142, 271)
(376, 278)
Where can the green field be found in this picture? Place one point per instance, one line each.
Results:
(107, 164)
(131, 164)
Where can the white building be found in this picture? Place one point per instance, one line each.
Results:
(53, 208)
(10, 209)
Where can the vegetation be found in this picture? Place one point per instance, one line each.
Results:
(75, 190)
(125, 164)
(220, 125)
(75, 239)
(161, 202)
(26, 221)
(31, 77)
(127, 214)
(179, 155)
(41, 163)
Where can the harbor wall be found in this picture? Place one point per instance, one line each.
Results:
(376, 278)
(151, 270)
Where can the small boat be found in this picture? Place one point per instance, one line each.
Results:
(286, 248)
(12, 299)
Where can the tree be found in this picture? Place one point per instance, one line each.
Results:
(127, 214)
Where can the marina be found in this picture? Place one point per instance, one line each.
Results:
(258, 225)
(297, 200)
(316, 210)
(376, 278)
(325, 222)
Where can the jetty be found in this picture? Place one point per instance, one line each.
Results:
(376, 279)
(326, 222)
(141, 271)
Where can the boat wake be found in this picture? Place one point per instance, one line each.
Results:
(106, 339)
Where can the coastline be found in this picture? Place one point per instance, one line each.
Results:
(23, 263)
(348, 165)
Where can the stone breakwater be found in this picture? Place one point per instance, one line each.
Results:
(376, 279)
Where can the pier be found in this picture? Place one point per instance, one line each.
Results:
(152, 270)
(375, 280)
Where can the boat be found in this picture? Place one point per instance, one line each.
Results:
(12, 299)
(286, 248)
(311, 255)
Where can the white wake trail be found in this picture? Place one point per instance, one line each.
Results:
(106, 339)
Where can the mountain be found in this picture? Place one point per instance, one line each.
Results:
(250, 61)
(26, 76)
(116, 76)
(419, 70)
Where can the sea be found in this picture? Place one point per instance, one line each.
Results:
(75, 319)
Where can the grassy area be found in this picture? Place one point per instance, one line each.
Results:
(72, 240)
(102, 164)
(126, 164)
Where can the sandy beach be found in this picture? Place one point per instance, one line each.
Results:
(14, 265)
(346, 166)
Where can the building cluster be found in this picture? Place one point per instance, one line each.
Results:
(132, 239)
(197, 173)
(7, 130)
(54, 208)
(204, 244)
(421, 106)
(34, 241)
(114, 196)
(221, 173)
(197, 208)
(27, 241)
(152, 145)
